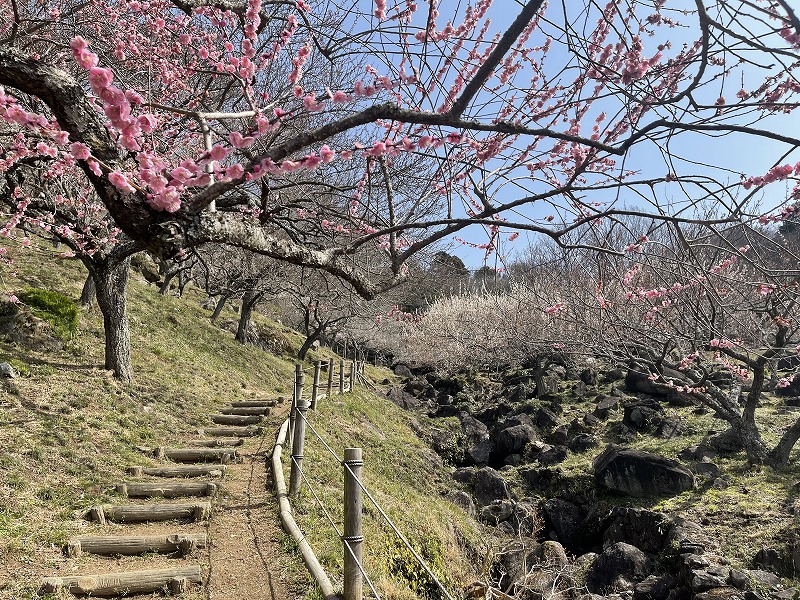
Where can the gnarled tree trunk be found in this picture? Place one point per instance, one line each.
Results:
(249, 301)
(312, 337)
(111, 282)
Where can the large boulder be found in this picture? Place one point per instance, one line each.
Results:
(645, 529)
(640, 474)
(565, 521)
(512, 440)
(620, 565)
(489, 486)
(402, 398)
(478, 446)
(643, 415)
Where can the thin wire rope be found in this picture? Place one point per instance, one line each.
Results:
(420, 560)
(319, 502)
(361, 568)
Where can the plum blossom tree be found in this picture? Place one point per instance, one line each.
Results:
(710, 318)
(196, 120)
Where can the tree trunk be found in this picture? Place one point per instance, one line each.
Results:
(310, 339)
(780, 454)
(249, 301)
(218, 308)
(88, 292)
(111, 282)
(168, 277)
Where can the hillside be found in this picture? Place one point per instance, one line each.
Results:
(69, 430)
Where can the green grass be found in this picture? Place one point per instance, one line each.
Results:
(55, 308)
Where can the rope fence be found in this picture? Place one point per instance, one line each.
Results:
(354, 574)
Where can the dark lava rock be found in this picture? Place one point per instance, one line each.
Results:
(582, 442)
(489, 486)
(466, 475)
(614, 375)
(727, 442)
(565, 519)
(416, 386)
(402, 398)
(497, 512)
(669, 428)
(644, 415)
(560, 435)
(619, 561)
(402, 370)
(553, 456)
(588, 376)
(654, 587)
(641, 474)
(773, 560)
(645, 529)
(479, 454)
(546, 418)
(512, 440)
(462, 500)
(606, 405)
(477, 442)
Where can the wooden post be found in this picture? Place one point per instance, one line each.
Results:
(315, 388)
(352, 374)
(341, 377)
(298, 443)
(331, 367)
(353, 534)
(298, 393)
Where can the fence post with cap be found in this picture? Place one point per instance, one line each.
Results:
(353, 537)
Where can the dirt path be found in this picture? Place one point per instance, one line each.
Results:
(245, 556)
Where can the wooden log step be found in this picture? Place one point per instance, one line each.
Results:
(254, 404)
(220, 455)
(231, 431)
(221, 442)
(179, 471)
(133, 545)
(141, 513)
(236, 419)
(245, 410)
(126, 583)
(167, 489)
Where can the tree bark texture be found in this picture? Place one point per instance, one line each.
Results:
(111, 282)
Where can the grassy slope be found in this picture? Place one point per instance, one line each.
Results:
(68, 429)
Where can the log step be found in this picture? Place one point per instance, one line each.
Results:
(230, 442)
(179, 471)
(231, 431)
(166, 489)
(134, 545)
(220, 455)
(245, 410)
(126, 583)
(236, 419)
(140, 513)
(253, 404)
